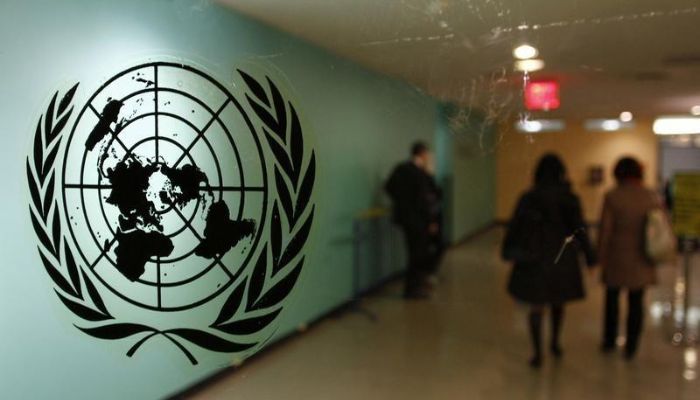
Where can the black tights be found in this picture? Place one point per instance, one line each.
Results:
(635, 318)
(535, 322)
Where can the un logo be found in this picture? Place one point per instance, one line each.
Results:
(171, 207)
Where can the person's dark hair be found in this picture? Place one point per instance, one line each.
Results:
(627, 168)
(418, 148)
(550, 170)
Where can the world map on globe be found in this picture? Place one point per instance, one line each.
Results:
(144, 190)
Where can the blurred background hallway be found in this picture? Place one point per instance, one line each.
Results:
(468, 342)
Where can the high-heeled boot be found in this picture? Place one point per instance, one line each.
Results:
(535, 323)
(557, 317)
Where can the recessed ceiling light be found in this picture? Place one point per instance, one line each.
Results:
(695, 110)
(626, 116)
(529, 65)
(525, 52)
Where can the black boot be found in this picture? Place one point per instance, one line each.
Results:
(557, 317)
(535, 322)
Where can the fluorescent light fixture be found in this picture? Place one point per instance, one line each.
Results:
(611, 125)
(606, 125)
(675, 125)
(626, 116)
(695, 110)
(525, 52)
(529, 65)
(531, 126)
(540, 125)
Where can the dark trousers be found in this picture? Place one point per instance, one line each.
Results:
(418, 246)
(436, 249)
(635, 317)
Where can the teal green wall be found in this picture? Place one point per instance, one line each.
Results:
(361, 123)
(470, 164)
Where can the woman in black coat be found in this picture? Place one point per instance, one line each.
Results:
(544, 240)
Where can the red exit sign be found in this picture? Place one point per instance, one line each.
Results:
(542, 95)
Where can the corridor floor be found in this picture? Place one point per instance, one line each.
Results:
(468, 342)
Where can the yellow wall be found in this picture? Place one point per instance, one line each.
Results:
(518, 154)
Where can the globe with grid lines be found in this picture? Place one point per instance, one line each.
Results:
(164, 185)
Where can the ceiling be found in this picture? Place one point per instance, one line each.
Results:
(609, 55)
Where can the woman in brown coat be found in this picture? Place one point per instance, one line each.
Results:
(621, 252)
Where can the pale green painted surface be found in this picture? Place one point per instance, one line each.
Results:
(471, 168)
(362, 124)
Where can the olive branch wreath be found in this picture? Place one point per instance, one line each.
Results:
(254, 302)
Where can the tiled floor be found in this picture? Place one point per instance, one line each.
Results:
(468, 342)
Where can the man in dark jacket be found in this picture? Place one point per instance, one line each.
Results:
(413, 193)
